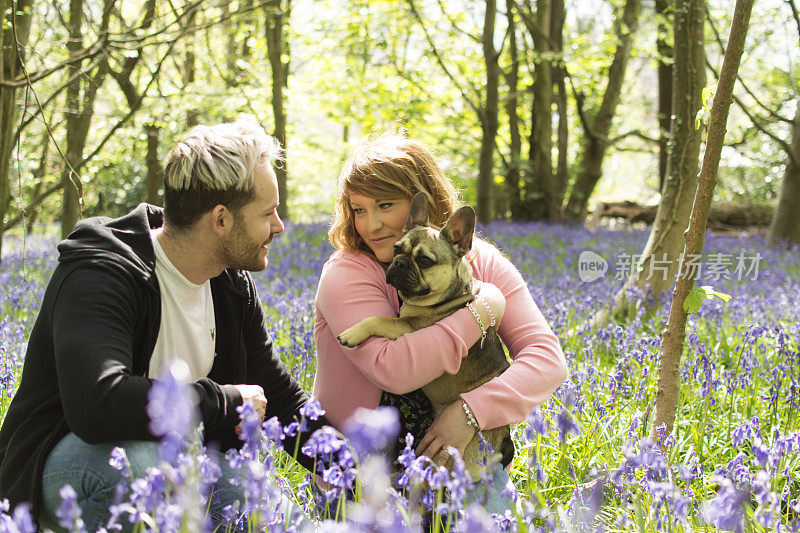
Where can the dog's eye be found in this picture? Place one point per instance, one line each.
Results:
(397, 249)
(424, 262)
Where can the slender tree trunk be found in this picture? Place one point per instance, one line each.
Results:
(278, 48)
(663, 13)
(12, 39)
(657, 266)
(668, 391)
(786, 220)
(540, 189)
(153, 163)
(71, 182)
(596, 140)
(189, 68)
(489, 119)
(515, 144)
(558, 15)
(80, 99)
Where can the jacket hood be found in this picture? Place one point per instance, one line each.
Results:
(123, 241)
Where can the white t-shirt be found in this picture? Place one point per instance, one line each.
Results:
(188, 330)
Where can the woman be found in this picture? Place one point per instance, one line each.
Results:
(373, 198)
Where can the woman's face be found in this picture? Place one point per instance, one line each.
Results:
(380, 223)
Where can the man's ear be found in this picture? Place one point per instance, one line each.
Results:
(418, 212)
(460, 228)
(220, 219)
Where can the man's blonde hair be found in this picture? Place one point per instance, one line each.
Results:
(215, 165)
(387, 168)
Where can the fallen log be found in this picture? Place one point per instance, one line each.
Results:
(723, 215)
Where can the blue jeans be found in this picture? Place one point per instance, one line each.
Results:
(85, 467)
(491, 496)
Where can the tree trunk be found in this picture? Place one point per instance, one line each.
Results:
(153, 163)
(595, 145)
(515, 144)
(558, 16)
(668, 391)
(189, 69)
(662, 8)
(655, 271)
(488, 116)
(539, 192)
(72, 188)
(786, 223)
(81, 94)
(277, 47)
(19, 21)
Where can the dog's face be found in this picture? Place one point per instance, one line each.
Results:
(427, 268)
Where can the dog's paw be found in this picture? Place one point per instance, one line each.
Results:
(352, 337)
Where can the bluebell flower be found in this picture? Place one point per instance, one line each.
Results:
(536, 424)
(68, 512)
(172, 408)
(372, 430)
(119, 461)
(312, 409)
(566, 425)
(20, 522)
(726, 509)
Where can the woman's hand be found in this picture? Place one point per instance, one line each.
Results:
(489, 297)
(449, 429)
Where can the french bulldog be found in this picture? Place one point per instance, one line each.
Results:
(434, 281)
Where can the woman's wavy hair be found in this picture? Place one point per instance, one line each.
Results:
(387, 168)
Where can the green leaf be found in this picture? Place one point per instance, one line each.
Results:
(696, 297)
(694, 300)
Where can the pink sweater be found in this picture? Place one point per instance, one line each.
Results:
(353, 286)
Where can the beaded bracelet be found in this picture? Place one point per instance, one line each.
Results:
(470, 416)
(478, 318)
(492, 320)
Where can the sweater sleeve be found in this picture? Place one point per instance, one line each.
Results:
(538, 366)
(351, 289)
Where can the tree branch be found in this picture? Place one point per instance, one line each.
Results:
(739, 79)
(439, 57)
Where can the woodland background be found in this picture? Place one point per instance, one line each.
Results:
(539, 110)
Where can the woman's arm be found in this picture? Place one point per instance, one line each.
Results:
(352, 288)
(538, 366)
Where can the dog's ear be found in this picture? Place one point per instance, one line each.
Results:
(460, 228)
(418, 212)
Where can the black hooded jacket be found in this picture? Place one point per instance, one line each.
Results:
(88, 355)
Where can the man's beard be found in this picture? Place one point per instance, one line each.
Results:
(241, 252)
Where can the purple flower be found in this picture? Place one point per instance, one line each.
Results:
(69, 513)
(566, 425)
(172, 408)
(312, 409)
(21, 522)
(726, 509)
(372, 430)
(119, 461)
(536, 424)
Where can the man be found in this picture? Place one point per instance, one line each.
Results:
(130, 296)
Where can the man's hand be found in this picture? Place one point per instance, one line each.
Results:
(449, 429)
(255, 394)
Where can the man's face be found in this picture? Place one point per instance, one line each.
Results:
(254, 225)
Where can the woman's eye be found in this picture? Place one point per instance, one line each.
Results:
(357, 210)
(385, 205)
